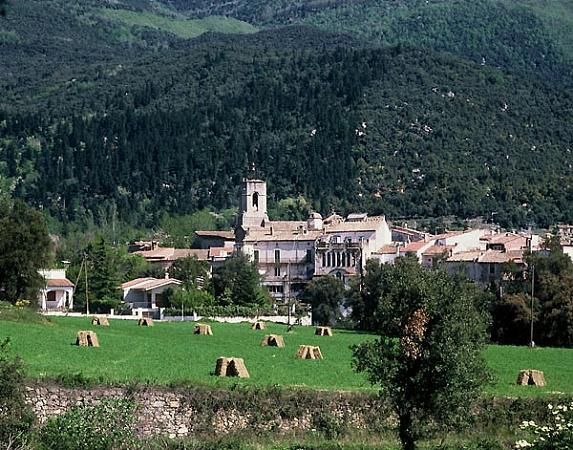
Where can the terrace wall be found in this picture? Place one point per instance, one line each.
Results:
(179, 412)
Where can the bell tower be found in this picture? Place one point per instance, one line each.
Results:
(253, 206)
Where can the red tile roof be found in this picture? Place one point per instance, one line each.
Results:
(387, 249)
(230, 235)
(59, 282)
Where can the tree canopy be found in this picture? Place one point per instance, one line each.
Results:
(326, 296)
(237, 282)
(25, 247)
(428, 360)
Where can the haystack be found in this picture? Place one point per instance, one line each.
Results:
(531, 377)
(100, 320)
(145, 322)
(202, 328)
(273, 340)
(308, 352)
(87, 339)
(323, 331)
(231, 367)
(258, 325)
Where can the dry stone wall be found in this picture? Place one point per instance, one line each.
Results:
(180, 412)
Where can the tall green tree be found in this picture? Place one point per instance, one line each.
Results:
(103, 266)
(326, 296)
(25, 247)
(428, 360)
(237, 282)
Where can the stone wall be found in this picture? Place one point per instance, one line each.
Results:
(181, 412)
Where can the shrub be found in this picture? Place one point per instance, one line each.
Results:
(106, 426)
(16, 418)
(556, 435)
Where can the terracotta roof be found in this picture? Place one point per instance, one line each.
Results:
(172, 254)
(59, 282)
(387, 249)
(230, 235)
(370, 224)
(436, 250)
(499, 257)
(264, 234)
(449, 234)
(414, 246)
(472, 255)
(505, 238)
(157, 253)
(200, 254)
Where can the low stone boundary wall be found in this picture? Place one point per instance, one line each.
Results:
(180, 412)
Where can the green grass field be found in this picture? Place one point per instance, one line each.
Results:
(170, 353)
(185, 28)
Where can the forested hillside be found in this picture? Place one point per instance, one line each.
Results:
(113, 106)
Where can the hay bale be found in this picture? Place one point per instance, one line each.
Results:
(308, 352)
(101, 321)
(231, 367)
(145, 322)
(523, 378)
(536, 378)
(258, 325)
(87, 339)
(531, 377)
(273, 340)
(323, 331)
(204, 329)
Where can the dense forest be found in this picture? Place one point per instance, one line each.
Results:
(101, 113)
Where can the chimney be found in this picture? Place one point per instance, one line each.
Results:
(167, 275)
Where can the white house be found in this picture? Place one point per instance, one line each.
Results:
(147, 293)
(57, 294)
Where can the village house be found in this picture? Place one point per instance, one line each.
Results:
(57, 294)
(487, 264)
(146, 294)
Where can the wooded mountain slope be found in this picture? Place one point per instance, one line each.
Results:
(97, 113)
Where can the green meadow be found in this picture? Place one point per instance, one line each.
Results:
(182, 27)
(169, 353)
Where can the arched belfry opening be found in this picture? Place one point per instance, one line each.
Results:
(256, 201)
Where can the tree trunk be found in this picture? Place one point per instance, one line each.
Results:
(405, 432)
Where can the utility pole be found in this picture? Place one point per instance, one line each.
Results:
(86, 273)
(531, 342)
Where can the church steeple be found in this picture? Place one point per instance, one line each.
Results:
(253, 206)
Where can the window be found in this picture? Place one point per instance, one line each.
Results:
(328, 259)
(277, 262)
(309, 258)
(492, 269)
(275, 289)
(256, 201)
(324, 260)
(338, 259)
(256, 256)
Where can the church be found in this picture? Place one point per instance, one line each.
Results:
(289, 254)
